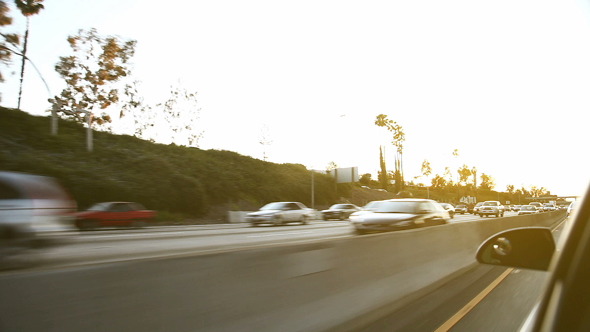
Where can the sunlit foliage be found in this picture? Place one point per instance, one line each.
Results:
(177, 119)
(91, 72)
(8, 41)
(487, 182)
(464, 174)
(27, 8)
(398, 138)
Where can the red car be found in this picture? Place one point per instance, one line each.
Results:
(114, 214)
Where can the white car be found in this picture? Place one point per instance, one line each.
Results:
(399, 214)
(491, 208)
(34, 211)
(527, 209)
(280, 213)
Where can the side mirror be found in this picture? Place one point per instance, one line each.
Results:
(528, 248)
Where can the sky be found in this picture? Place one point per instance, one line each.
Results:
(504, 82)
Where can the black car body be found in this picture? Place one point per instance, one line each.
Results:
(461, 208)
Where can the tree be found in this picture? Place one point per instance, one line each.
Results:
(264, 140)
(27, 8)
(365, 179)
(331, 166)
(426, 168)
(538, 192)
(487, 182)
(397, 139)
(9, 41)
(438, 182)
(510, 189)
(426, 171)
(464, 174)
(98, 63)
(448, 175)
(382, 176)
(177, 118)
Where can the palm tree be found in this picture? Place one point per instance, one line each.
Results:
(398, 137)
(27, 8)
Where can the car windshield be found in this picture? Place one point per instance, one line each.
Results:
(340, 206)
(395, 207)
(371, 205)
(274, 206)
(490, 204)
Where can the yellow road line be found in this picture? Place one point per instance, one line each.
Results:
(475, 301)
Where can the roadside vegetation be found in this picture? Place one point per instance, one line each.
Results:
(181, 181)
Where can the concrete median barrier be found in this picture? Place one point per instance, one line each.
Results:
(303, 287)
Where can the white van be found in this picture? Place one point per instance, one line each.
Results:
(34, 211)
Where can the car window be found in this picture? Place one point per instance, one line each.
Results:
(8, 192)
(426, 207)
(273, 206)
(99, 207)
(395, 207)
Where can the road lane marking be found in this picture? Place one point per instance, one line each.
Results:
(474, 302)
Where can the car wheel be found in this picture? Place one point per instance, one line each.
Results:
(277, 220)
(360, 231)
(303, 220)
(138, 224)
(87, 225)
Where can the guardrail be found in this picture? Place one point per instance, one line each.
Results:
(302, 287)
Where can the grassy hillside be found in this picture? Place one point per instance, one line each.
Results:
(189, 182)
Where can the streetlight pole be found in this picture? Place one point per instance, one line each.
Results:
(312, 189)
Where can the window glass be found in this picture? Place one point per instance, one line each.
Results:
(8, 192)
(395, 207)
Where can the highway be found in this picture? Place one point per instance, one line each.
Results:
(114, 245)
(177, 265)
(483, 299)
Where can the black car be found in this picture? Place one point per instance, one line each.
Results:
(461, 208)
(565, 303)
(339, 211)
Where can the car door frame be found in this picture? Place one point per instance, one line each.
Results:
(559, 308)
